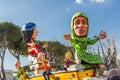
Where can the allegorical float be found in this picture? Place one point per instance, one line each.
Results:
(84, 65)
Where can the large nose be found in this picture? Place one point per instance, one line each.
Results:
(36, 31)
(80, 25)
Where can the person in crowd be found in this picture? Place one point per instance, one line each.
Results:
(113, 74)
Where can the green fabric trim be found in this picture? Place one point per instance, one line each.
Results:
(90, 58)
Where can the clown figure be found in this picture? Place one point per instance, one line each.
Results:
(79, 39)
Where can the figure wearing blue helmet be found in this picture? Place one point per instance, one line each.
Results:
(29, 32)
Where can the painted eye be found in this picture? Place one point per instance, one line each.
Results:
(84, 22)
(77, 22)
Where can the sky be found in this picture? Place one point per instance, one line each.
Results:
(53, 18)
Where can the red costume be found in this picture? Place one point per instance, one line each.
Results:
(34, 48)
(68, 62)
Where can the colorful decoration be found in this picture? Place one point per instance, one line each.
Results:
(46, 66)
(30, 33)
(68, 60)
(21, 73)
(80, 40)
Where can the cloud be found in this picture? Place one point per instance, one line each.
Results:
(85, 1)
(99, 1)
(79, 1)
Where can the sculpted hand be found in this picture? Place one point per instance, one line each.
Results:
(102, 35)
(67, 36)
(45, 46)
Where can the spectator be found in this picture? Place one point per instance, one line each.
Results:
(113, 74)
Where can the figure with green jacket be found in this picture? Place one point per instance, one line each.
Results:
(80, 40)
(21, 72)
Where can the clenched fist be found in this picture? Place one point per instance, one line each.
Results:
(67, 36)
(102, 35)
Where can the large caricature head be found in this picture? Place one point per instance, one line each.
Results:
(29, 31)
(79, 25)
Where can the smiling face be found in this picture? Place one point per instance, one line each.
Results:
(68, 55)
(80, 26)
(35, 32)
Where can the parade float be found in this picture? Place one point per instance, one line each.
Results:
(85, 63)
(75, 72)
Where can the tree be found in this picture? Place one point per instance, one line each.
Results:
(110, 54)
(56, 52)
(18, 48)
(3, 48)
(11, 39)
(108, 51)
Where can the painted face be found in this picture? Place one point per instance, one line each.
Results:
(80, 26)
(35, 32)
(68, 56)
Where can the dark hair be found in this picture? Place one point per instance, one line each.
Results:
(113, 74)
(27, 35)
(116, 77)
(27, 31)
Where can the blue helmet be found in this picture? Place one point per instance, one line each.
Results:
(27, 31)
(28, 26)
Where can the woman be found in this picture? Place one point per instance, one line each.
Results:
(29, 31)
(80, 40)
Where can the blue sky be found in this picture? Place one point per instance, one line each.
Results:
(53, 18)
